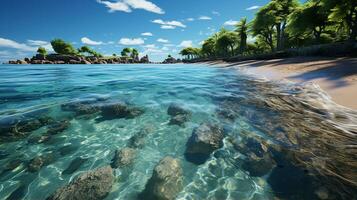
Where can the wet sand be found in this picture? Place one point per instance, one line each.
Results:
(336, 76)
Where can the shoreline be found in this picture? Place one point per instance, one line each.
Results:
(336, 76)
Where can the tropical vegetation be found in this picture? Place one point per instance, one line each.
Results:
(281, 25)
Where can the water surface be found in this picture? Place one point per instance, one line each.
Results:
(309, 140)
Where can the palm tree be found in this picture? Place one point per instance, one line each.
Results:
(242, 30)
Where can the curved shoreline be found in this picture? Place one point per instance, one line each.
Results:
(336, 76)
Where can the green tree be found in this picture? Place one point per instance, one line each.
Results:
(227, 42)
(62, 47)
(242, 30)
(86, 49)
(134, 53)
(209, 47)
(42, 51)
(263, 26)
(344, 12)
(126, 51)
(310, 18)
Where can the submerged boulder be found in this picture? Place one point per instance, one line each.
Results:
(123, 157)
(258, 166)
(38, 162)
(58, 127)
(138, 140)
(92, 185)
(204, 140)
(179, 115)
(120, 110)
(74, 165)
(80, 108)
(176, 109)
(166, 181)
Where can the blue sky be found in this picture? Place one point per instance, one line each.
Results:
(154, 27)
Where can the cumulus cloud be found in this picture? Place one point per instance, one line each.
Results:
(37, 42)
(131, 41)
(116, 6)
(128, 5)
(230, 23)
(147, 34)
(253, 8)
(205, 18)
(169, 24)
(162, 40)
(88, 41)
(167, 27)
(186, 43)
(7, 43)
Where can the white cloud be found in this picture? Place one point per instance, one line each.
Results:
(253, 8)
(216, 13)
(205, 18)
(186, 43)
(167, 27)
(36, 42)
(152, 46)
(165, 48)
(40, 43)
(15, 45)
(163, 40)
(145, 5)
(201, 43)
(230, 23)
(147, 34)
(190, 19)
(88, 41)
(169, 24)
(133, 41)
(128, 5)
(116, 6)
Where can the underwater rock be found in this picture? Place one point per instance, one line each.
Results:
(74, 165)
(92, 185)
(58, 127)
(166, 181)
(227, 114)
(80, 108)
(120, 110)
(291, 182)
(258, 166)
(175, 109)
(13, 164)
(3, 155)
(39, 139)
(179, 120)
(204, 140)
(123, 157)
(65, 150)
(38, 162)
(250, 146)
(138, 140)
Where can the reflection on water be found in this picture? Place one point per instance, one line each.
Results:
(280, 140)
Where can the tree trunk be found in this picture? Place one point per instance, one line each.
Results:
(278, 36)
(282, 36)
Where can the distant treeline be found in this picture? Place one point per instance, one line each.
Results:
(281, 25)
(65, 48)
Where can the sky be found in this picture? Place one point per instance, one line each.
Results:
(154, 27)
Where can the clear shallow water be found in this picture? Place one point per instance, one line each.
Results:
(310, 141)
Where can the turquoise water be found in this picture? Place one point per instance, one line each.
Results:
(310, 141)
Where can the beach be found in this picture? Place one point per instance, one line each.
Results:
(336, 76)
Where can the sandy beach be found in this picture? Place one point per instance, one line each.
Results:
(337, 76)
